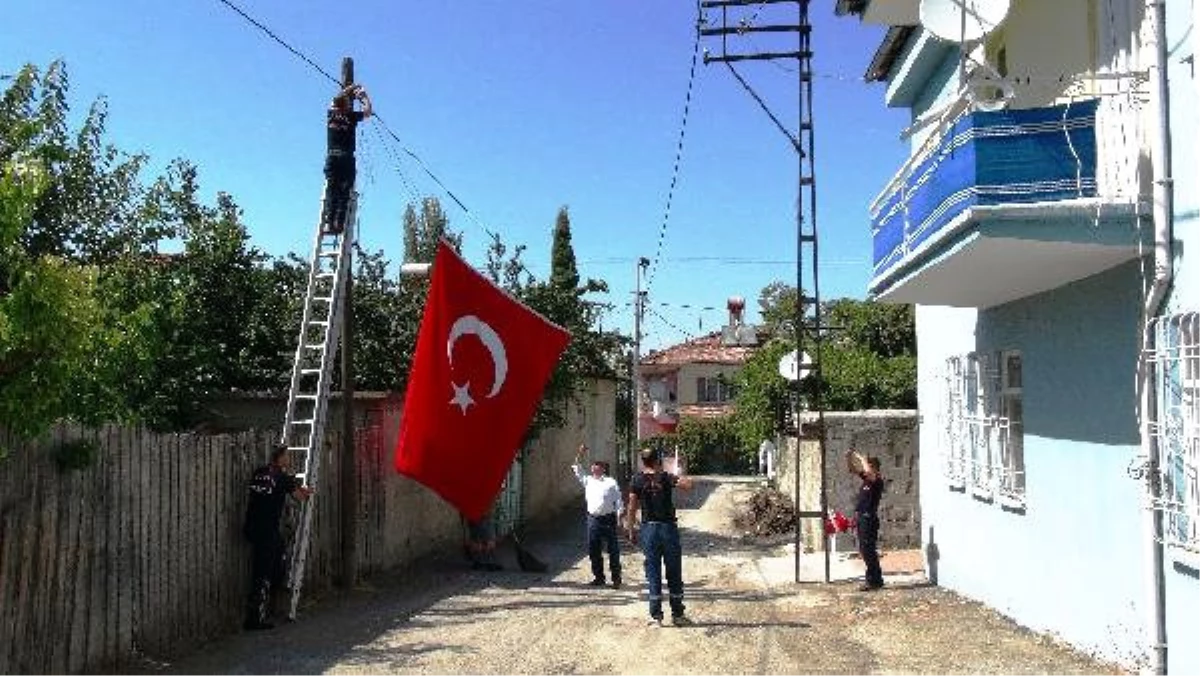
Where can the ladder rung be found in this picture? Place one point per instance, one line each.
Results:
(309, 372)
(298, 448)
(324, 299)
(325, 275)
(806, 180)
(300, 476)
(318, 322)
(329, 254)
(308, 422)
(306, 396)
(315, 346)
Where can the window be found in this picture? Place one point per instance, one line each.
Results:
(1177, 426)
(716, 390)
(982, 426)
(1010, 468)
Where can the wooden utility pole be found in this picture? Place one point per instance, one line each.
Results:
(349, 466)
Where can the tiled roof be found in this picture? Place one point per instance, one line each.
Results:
(704, 411)
(703, 350)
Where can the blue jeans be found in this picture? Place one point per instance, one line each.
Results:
(660, 546)
(602, 533)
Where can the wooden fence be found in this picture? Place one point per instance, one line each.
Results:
(139, 557)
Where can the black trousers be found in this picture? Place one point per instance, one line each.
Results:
(266, 573)
(868, 547)
(339, 174)
(602, 534)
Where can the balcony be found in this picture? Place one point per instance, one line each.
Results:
(1002, 205)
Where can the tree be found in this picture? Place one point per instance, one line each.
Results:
(563, 272)
(868, 360)
(49, 311)
(777, 305)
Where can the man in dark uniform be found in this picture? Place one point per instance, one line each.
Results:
(866, 509)
(269, 487)
(652, 491)
(342, 123)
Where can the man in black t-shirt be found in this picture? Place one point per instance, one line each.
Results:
(269, 487)
(342, 123)
(866, 509)
(652, 491)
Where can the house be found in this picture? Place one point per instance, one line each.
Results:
(1047, 238)
(694, 379)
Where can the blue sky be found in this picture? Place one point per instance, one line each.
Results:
(519, 107)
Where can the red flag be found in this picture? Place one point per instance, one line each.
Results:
(481, 364)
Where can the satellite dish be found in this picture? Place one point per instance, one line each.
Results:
(962, 20)
(794, 369)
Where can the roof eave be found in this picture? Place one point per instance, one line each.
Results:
(889, 50)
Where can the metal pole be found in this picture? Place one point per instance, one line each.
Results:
(349, 468)
(638, 308)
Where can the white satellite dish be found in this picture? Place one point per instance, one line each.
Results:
(794, 369)
(962, 20)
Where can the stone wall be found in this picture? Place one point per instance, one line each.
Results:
(890, 435)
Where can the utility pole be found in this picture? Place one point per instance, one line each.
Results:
(806, 216)
(639, 307)
(349, 468)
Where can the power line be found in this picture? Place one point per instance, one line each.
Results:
(687, 104)
(446, 189)
(276, 38)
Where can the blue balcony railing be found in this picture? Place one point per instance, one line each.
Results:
(985, 158)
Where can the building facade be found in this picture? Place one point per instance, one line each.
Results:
(1042, 230)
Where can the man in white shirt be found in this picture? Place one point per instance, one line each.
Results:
(603, 510)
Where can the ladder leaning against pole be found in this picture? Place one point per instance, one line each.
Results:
(308, 396)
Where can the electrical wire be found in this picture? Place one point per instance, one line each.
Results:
(271, 34)
(375, 116)
(687, 104)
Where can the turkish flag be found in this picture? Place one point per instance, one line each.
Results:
(481, 364)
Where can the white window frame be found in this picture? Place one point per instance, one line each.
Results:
(982, 427)
(1176, 426)
(1010, 465)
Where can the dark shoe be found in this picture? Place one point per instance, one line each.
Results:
(617, 583)
(870, 587)
(597, 582)
(255, 625)
(681, 621)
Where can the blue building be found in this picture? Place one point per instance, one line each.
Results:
(1049, 242)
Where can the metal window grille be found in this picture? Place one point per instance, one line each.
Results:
(1176, 425)
(982, 426)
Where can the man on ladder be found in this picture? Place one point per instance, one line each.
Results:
(339, 161)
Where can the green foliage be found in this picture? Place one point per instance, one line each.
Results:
(760, 392)
(868, 361)
(710, 446)
(562, 301)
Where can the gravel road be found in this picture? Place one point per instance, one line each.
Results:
(751, 617)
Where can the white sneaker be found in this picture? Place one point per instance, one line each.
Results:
(654, 622)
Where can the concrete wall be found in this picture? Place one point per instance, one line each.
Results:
(549, 485)
(1080, 529)
(1181, 569)
(889, 435)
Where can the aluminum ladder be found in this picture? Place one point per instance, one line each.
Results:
(312, 370)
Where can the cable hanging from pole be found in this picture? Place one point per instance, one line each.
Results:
(687, 104)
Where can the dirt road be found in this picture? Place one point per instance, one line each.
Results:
(751, 618)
